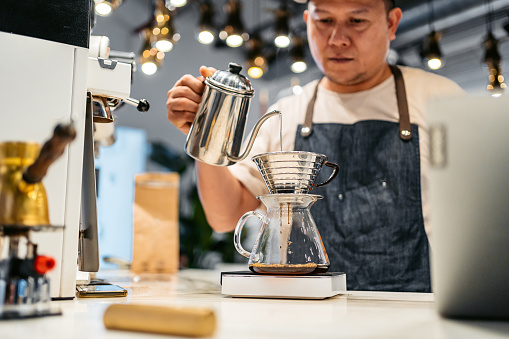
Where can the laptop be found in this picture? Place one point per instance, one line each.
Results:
(469, 196)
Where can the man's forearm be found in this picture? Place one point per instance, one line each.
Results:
(223, 197)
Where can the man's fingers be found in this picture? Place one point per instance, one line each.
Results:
(184, 92)
(193, 83)
(207, 71)
(182, 104)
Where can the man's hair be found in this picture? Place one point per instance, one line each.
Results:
(389, 4)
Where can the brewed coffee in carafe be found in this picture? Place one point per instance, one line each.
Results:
(288, 241)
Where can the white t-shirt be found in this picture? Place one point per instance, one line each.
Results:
(377, 103)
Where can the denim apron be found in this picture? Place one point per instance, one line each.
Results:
(371, 218)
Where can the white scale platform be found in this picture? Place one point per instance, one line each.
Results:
(312, 286)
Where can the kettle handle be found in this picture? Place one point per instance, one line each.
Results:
(50, 151)
(253, 136)
(238, 231)
(335, 170)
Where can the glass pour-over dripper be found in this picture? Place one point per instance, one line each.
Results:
(288, 241)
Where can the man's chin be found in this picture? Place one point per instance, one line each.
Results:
(346, 78)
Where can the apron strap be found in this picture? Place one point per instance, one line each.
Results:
(404, 116)
(307, 127)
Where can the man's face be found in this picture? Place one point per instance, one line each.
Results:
(349, 39)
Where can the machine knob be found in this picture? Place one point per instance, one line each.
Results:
(43, 264)
(141, 105)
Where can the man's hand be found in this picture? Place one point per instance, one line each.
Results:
(185, 97)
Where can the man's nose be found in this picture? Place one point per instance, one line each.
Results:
(339, 37)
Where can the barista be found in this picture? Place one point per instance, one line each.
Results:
(366, 116)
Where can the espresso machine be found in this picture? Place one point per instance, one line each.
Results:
(50, 75)
(109, 78)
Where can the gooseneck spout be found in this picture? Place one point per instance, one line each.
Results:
(256, 128)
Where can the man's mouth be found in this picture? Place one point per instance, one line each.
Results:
(341, 60)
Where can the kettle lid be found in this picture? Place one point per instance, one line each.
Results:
(231, 81)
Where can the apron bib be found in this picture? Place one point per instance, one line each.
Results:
(371, 218)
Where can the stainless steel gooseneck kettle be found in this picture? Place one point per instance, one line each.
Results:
(218, 128)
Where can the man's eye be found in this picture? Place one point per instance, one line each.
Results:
(325, 21)
(356, 21)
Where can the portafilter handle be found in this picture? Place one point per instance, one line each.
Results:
(50, 151)
(141, 105)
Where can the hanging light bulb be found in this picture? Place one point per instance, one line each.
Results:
(493, 60)
(178, 3)
(430, 50)
(106, 7)
(282, 38)
(298, 55)
(206, 31)
(163, 31)
(256, 61)
(431, 53)
(234, 29)
(150, 58)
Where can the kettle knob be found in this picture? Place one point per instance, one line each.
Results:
(234, 68)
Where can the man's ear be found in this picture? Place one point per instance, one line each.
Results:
(393, 21)
(305, 16)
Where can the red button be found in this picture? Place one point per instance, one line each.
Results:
(44, 264)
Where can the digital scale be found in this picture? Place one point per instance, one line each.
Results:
(310, 286)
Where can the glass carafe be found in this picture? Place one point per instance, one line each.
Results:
(288, 241)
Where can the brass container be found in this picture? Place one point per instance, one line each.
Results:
(21, 203)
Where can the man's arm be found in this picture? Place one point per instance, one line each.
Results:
(223, 197)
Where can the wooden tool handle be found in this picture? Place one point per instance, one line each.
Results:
(50, 151)
(183, 321)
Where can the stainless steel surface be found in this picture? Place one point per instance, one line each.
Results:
(231, 81)
(218, 129)
(141, 105)
(292, 171)
(101, 110)
(88, 246)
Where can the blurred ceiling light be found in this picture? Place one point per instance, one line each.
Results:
(178, 3)
(150, 58)
(163, 32)
(257, 63)
(431, 53)
(493, 60)
(298, 55)
(106, 7)
(282, 41)
(296, 87)
(282, 38)
(234, 27)
(206, 29)
(161, 12)
(234, 40)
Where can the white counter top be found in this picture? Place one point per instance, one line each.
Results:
(353, 315)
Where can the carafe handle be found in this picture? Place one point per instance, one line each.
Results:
(238, 231)
(335, 170)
